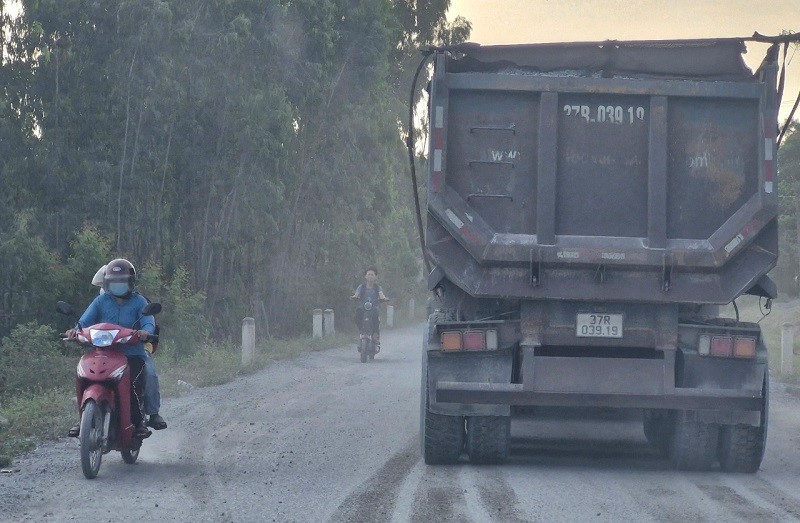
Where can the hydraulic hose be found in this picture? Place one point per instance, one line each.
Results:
(410, 147)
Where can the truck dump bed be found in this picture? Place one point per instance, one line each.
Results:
(616, 171)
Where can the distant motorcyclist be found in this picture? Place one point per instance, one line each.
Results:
(369, 291)
(121, 305)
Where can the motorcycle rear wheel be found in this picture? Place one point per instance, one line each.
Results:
(91, 439)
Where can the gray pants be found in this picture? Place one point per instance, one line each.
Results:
(152, 390)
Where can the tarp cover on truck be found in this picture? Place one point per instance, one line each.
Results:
(719, 59)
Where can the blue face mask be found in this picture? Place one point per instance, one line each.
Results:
(118, 289)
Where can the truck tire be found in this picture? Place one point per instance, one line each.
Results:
(693, 445)
(658, 428)
(442, 437)
(741, 447)
(488, 438)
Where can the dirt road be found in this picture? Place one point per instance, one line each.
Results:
(324, 437)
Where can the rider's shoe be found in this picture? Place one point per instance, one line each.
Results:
(75, 431)
(141, 432)
(157, 422)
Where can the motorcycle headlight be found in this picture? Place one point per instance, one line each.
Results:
(368, 306)
(117, 374)
(103, 338)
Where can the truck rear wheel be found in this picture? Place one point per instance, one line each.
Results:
(658, 427)
(442, 436)
(741, 447)
(693, 445)
(488, 438)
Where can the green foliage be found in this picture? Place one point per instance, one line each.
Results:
(245, 155)
(183, 325)
(32, 359)
(32, 276)
(88, 251)
(787, 273)
(34, 417)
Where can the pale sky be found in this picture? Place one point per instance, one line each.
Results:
(532, 21)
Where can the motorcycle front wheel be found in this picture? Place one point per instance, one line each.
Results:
(130, 456)
(91, 439)
(364, 349)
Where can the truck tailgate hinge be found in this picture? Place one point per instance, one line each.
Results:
(535, 266)
(666, 272)
(600, 273)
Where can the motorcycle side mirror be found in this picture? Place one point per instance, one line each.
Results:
(151, 309)
(64, 308)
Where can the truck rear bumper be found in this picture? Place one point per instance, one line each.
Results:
(516, 395)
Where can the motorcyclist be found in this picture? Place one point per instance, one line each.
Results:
(121, 305)
(370, 291)
(152, 389)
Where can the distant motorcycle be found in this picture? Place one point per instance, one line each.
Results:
(103, 387)
(368, 326)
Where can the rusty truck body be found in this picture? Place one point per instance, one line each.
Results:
(589, 208)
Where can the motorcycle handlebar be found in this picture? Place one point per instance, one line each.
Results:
(153, 338)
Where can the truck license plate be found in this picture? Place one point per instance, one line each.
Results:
(599, 325)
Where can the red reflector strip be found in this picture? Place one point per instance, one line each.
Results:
(438, 147)
(770, 130)
(722, 346)
(770, 127)
(474, 340)
(769, 170)
(438, 138)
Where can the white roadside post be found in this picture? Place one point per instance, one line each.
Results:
(412, 305)
(787, 348)
(328, 326)
(317, 323)
(390, 315)
(248, 341)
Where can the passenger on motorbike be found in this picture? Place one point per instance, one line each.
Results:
(121, 305)
(372, 292)
(152, 388)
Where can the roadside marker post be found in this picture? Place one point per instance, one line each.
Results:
(328, 325)
(248, 341)
(316, 323)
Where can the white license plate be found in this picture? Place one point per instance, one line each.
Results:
(598, 325)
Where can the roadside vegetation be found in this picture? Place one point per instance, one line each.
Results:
(45, 408)
(247, 157)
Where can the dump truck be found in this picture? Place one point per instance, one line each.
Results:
(590, 206)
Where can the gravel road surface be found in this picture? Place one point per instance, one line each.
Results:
(326, 438)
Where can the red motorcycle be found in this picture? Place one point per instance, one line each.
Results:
(103, 388)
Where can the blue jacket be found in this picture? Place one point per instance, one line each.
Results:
(107, 309)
